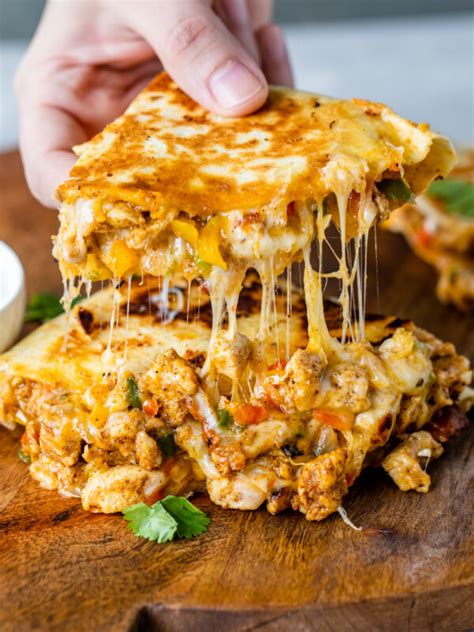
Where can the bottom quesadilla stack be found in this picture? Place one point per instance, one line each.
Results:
(130, 417)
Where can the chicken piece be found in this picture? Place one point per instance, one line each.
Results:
(437, 348)
(349, 388)
(280, 500)
(228, 458)
(60, 440)
(100, 459)
(230, 355)
(300, 384)
(413, 414)
(173, 380)
(71, 480)
(407, 362)
(372, 429)
(148, 453)
(452, 376)
(120, 430)
(119, 487)
(322, 485)
(225, 451)
(247, 489)
(403, 463)
(45, 471)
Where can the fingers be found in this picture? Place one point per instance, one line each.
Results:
(235, 15)
(46, 136)
(201, 54)
(274, 54)
(260, 12)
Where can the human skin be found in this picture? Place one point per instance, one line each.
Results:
(89, 58)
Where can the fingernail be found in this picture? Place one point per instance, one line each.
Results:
(232, 84)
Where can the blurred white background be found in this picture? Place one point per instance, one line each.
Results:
(421, 65)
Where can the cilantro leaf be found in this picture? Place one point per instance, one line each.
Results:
(133, 394)
(43, 307)
(152, 523)
(191, 521)
(166, 519)
(457, 195)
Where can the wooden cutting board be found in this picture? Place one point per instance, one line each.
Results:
(411, 568)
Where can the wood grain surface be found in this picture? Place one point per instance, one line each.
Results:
(411, 568)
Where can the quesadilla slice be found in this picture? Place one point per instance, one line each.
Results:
(439, 226)
(135, 418)
(171, 189)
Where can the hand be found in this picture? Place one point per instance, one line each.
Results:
(89, 58)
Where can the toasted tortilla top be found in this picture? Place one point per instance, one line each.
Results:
(167, 152)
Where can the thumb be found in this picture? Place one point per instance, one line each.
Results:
(201, 55)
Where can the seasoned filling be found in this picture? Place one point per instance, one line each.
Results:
(297, 436)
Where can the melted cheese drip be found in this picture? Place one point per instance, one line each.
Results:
(319, 338)
(289, 309)
(224, 288)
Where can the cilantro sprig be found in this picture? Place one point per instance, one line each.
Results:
(43, 307)
(170, 518)
(457, 195)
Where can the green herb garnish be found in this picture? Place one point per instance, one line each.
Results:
(191, 521)
(394, 190)
(224, 418)
(23, 456)
(172, 517)
(457, 195)
(133, 394)
(43, 307)
(153, 523)
(167, 444)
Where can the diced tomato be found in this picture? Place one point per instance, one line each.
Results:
(247, 414)
(150, 407)
(423, 237)
(24, 441)
(290, 209)
(276, 366)
(339, 421)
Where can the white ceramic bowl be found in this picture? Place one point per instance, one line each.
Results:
(12, 296)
